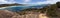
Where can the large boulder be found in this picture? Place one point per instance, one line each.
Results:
(8, 14)
(58, 4)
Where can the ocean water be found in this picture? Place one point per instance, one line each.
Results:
(20, 8)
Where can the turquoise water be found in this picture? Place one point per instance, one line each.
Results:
(19, 8)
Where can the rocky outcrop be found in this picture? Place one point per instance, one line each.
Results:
(8, 14)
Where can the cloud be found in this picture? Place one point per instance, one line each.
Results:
(29, 2)
(26, 1)
(48, 2)
(39, 2)
(6, 2)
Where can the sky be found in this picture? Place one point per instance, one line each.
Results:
(28, 1)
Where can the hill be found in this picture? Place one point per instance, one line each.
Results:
(52, 10)
(4, 5)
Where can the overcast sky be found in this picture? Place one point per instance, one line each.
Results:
(29, 1)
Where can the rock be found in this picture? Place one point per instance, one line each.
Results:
(8, 14)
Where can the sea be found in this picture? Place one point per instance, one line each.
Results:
(20, 8)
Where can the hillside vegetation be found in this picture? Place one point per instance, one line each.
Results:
(50, 10)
